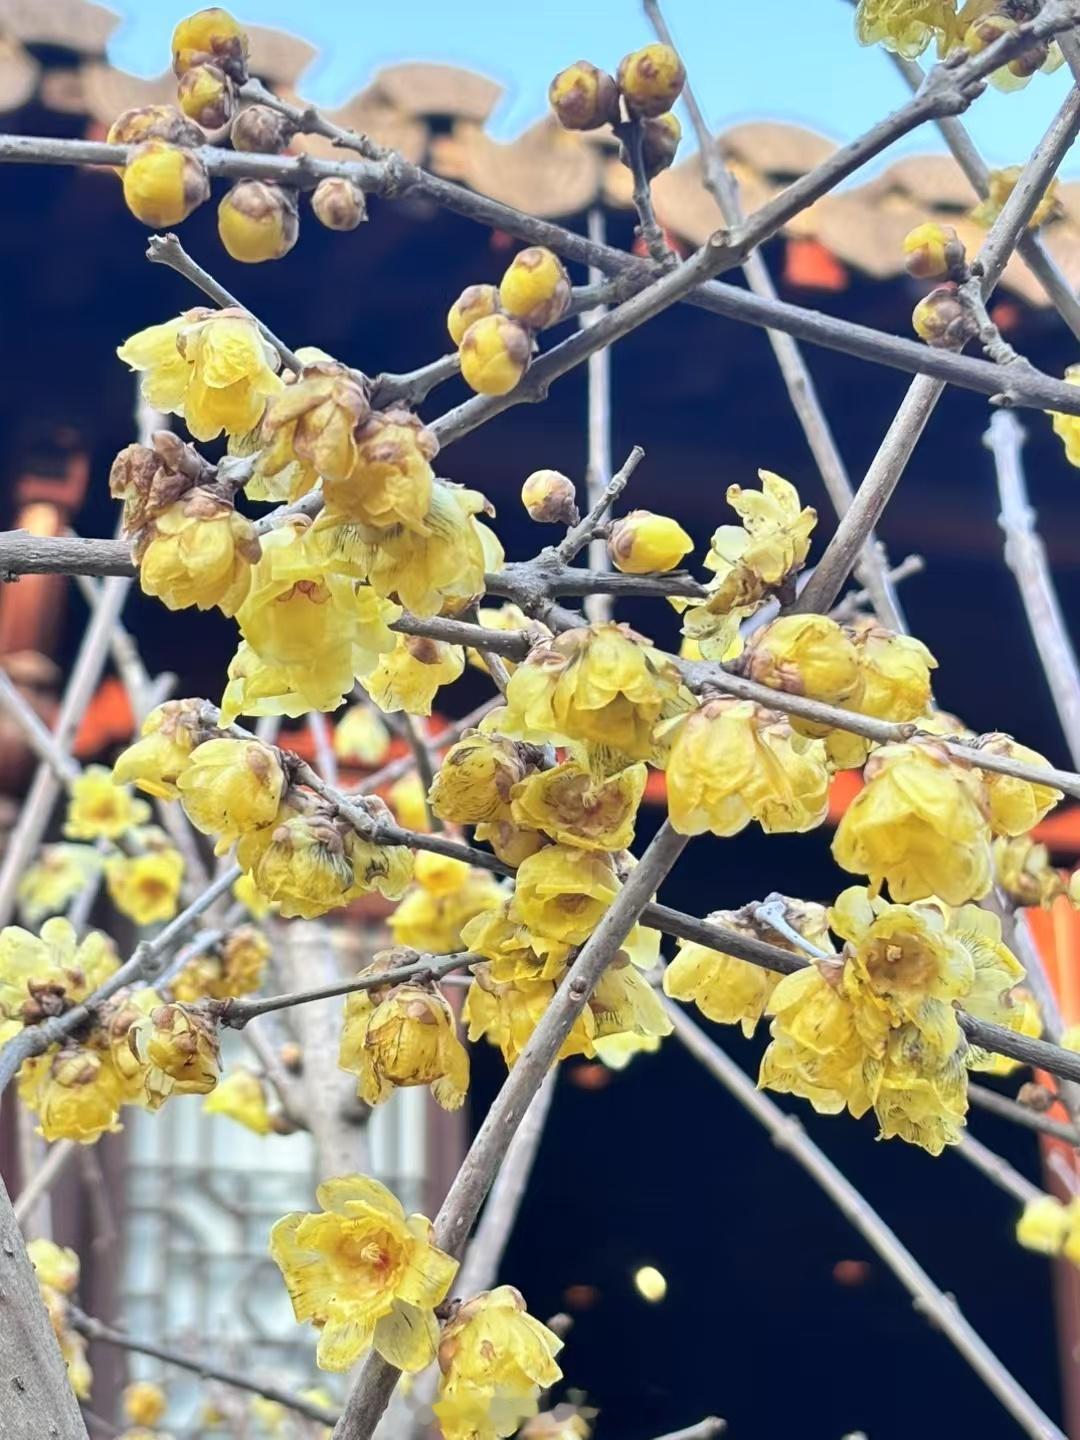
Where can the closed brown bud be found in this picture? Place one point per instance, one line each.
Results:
(550, 498)
(339, 204)
(660, 137)
(153, 122)
(584, 97)
(943, 320)
(259, 130)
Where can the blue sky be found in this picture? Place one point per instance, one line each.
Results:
(794, 60)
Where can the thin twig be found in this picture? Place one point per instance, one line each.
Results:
(997, 1170)
(632, 135)
(105, 1334)
(1007, 1109)
(579, 535)
(43, 1178)
(597, 607)
(939, 1308)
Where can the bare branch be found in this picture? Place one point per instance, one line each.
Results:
(43, 1178)
(580, 534)
(198, 1365)
(1007, 1109)
(939, 1308)
(997, 1170)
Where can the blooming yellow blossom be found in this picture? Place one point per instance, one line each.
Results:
(410, 676)
(43, 975)
(364, 1275)
(144, 1403)
(1015, 805)
(403, 1035)
(230, 787)
(600, 683)
(732, 761)
(562, 893)
(731, 991)
(1044, 1225)
(574, 808)
(75, 1092)
(99, 809)
(408, 802)
(164, 183)
(241, 1096)
(234, 967)
(308, 632)
(495, 1360)
(642, 543)
(247, 893)
(919, 823)
(390, 482)
(361, 737)
(145, 888)
(57, 1271)
(510, 842)
(535, 288)
(316, 421)
(907, 26)
(894, 685)
(1027, 1020)
(495, 353)
(181, 1049)
(199, 551)
(507, 618)
(211, 366)
(1023, 870)
(54, 879)
(55, 1265)
(477, 777)
(431, 919)
(513, 951)
(153, 762)
(807, 655)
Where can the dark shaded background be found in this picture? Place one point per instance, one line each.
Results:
(658, 1166)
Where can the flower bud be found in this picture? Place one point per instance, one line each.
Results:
(495, 353)
(257, 220)
(153, 122)
(660, 137)
(932, 250)
(1015, 73)
(207, 96)
(942, 319)
(260, 130)
(164, 183)
(230, 787)
(339, 204)
(148, 478)
(474, 303)
(535, 288)
(642, 543)
(651, 79)
(213, 37)
(550, 499)
(584, 97)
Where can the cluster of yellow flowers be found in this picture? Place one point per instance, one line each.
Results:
(644, 88)
(909, 26)
(57, 1269)
(493, 325)
(164, 178)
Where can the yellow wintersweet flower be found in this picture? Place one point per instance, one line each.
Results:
(361, 737)
(55, 1265)
(390, 482)
(1067, 427)
(732, 761)
(257, 219)
(732, 991)
(1015, 805)
(230, 787)
(410, 676)
(920, 824)
(1023, 870)
(495, 1361)
(316, 421)
(750, 562)
(234, 967)
(42, 975)
(144, 1403)
(535, 288)
(599, 683)
(308, 631)
(807, 655)
(574, 808)
(210, 37)
(477, 777)
(894, 685)
(422, 569)
(57, 1272)
(241, 1096)
(1044, 1225)
(364, 1275)
(75, 1092)
(474, 302)
(402, 1036)
(198, 551)
(1001, 184)
(563, 893)
(510, 842)
(642, 543)
(508, 618)
(908, 26)
(304, 866)
(248, 894)
(651, 80)
(616, 1051)
(181, 1049)
(409, 804)
(431, 920)
(624, 1004)
(99, 809)
(211, 366)
(507, 1013)
(495, 353)
(153, 763)
(145, 888)
(1026, 1020)
(55, 878)
(514, 952)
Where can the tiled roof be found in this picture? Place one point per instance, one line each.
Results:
(545, 170)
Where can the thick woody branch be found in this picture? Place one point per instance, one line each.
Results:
(95, 1330)
(938, 1307)
(459, 1210)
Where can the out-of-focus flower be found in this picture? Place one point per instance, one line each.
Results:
(99, 809)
